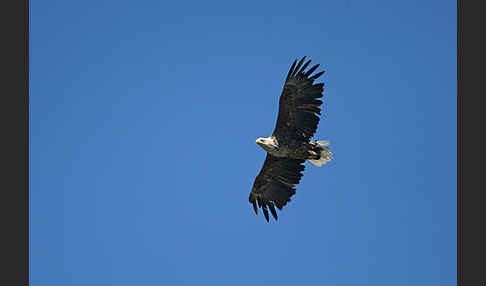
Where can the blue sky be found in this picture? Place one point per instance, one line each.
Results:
(143, 120)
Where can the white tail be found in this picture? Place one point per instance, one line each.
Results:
(326, 154)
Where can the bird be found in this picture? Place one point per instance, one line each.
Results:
(290, 144)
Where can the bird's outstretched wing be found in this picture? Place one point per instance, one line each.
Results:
(299, 103)
(275, 184)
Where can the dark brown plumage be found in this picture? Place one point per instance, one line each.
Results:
(297, 122)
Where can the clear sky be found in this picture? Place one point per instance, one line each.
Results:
(143, 120)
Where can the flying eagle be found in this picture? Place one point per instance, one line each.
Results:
(289, 146)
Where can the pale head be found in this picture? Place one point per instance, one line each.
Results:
(268, 144)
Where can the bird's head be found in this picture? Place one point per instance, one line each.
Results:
(267, 144)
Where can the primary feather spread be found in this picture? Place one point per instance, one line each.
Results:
(289, 146)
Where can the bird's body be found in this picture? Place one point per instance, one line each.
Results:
(289, 146)
(294, 149)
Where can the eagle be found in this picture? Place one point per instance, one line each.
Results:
(290, 144)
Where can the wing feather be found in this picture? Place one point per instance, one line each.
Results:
(275, 184)
(297, 68)
(311, 70)
(299, 104)
(291, 70)
(272, 210)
